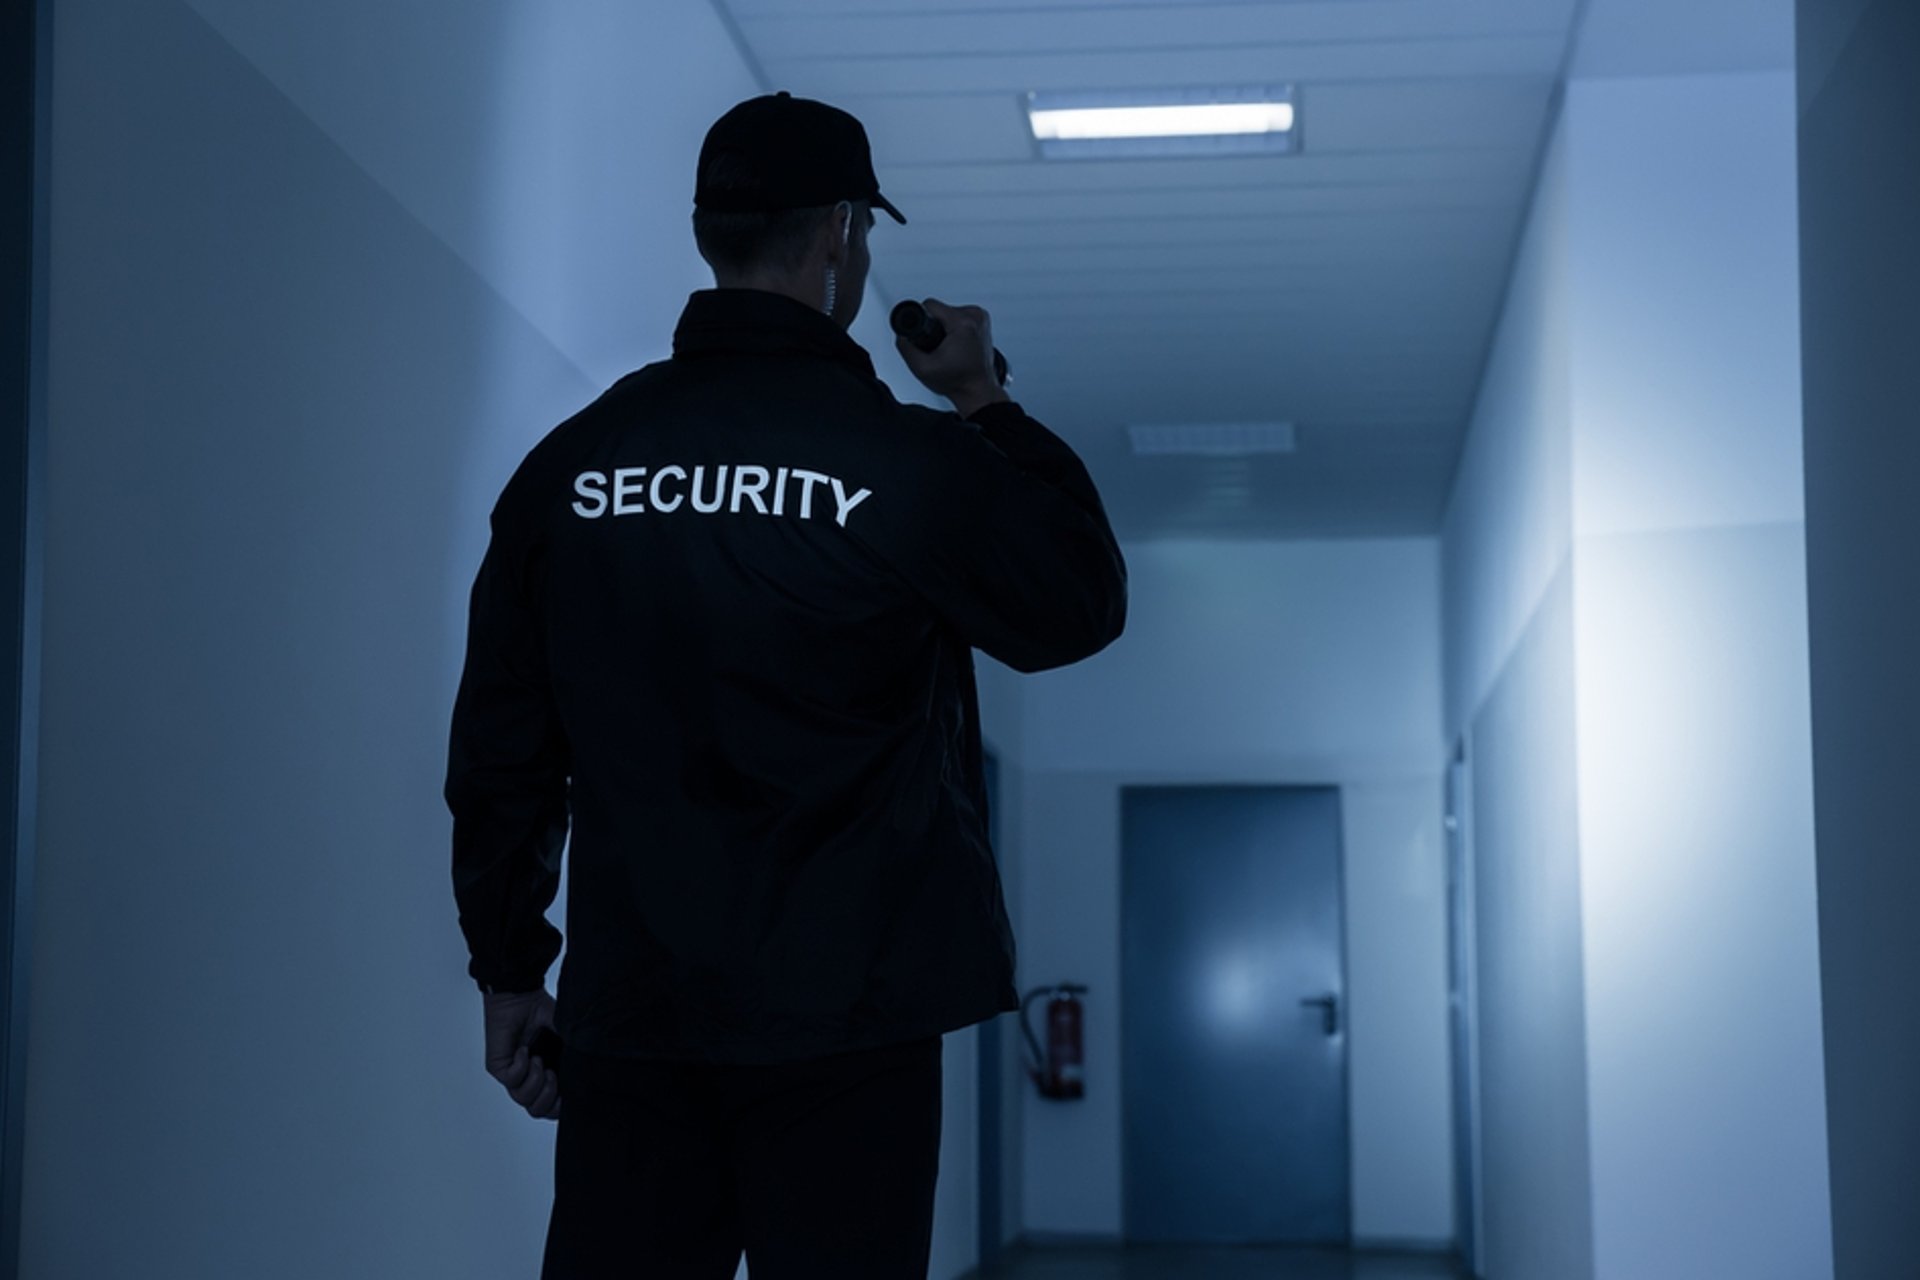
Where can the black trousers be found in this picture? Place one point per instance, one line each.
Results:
(818, 1170)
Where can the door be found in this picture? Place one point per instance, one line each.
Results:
(1233, 1026)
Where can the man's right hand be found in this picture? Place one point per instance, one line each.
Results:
(512, 1021)
(961, 367)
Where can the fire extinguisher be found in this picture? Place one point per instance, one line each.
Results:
(1058, 1071)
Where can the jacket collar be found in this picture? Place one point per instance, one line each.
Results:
(763, 321)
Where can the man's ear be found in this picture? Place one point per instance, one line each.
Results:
(842, 236)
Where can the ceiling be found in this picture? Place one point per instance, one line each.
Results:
(1660, 37)
(1350, 289)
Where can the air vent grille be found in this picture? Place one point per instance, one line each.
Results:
(1212, 439)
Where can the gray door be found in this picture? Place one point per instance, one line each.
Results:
(1233, 1032)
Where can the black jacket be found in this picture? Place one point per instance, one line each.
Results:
(724, 629)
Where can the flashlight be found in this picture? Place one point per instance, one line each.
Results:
(912, 322)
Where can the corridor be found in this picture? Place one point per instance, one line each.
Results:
(1485, 853)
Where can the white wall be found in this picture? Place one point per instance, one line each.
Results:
(1642, 410)
(320, 276)
(1509, 658)
(1313, 662)
(1695, 764)
(1508, 528)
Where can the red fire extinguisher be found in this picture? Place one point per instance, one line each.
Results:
(1058, 1071)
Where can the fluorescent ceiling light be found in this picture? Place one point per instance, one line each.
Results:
(1226, 120)
(1212, 439)
(1163, 122)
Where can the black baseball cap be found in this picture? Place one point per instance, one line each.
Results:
(803, 153)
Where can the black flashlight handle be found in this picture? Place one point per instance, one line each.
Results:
(548, 1047)
(913, 322)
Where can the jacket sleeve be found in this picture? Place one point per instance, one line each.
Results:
(507, 771)
(1009, 542)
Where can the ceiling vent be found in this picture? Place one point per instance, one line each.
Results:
(1212, 439)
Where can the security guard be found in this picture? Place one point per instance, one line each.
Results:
(723, 632)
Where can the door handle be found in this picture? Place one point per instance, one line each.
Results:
(1330, 1011)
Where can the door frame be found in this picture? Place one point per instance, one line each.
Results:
(1463, 1020)
(1141, 783)
(26, 32)
(991, 1099)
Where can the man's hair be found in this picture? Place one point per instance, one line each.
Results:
(740, 243)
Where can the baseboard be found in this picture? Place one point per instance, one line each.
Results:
(1405, 1244)
(1066, 1239)
(1416, 1245)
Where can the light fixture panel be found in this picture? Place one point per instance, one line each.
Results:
(1260, 119)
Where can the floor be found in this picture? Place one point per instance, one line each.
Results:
(1210, 1262)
